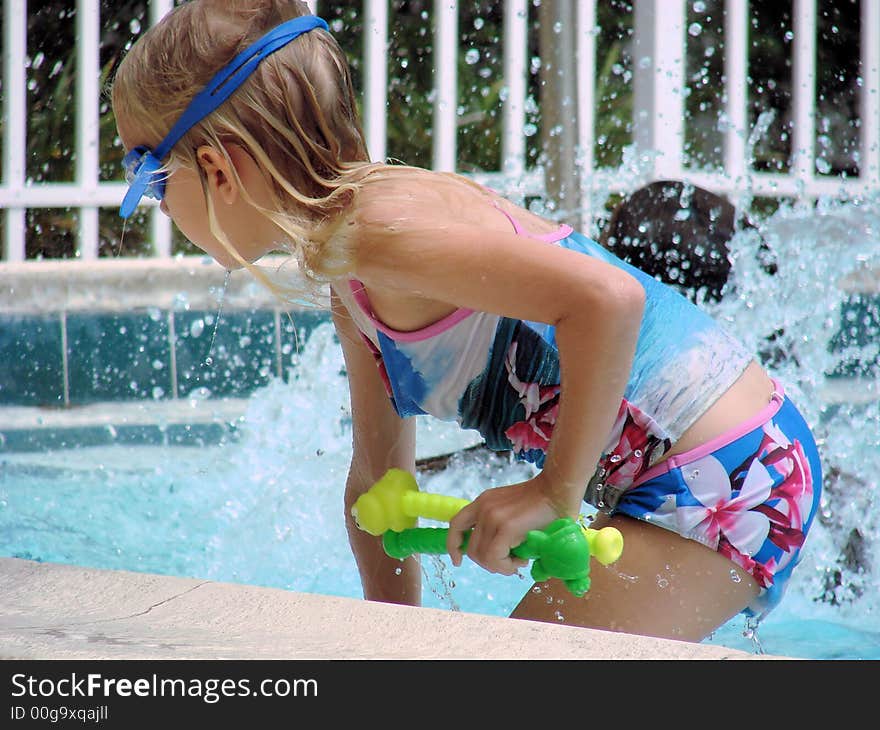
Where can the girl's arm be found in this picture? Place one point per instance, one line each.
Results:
(595, 307)
(381, 440)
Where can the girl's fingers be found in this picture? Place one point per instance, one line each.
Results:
(488, 539)
(504, 561)
(454, 539)
(490, 549)
(458, 526)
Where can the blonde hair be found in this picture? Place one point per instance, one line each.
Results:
(296, 115)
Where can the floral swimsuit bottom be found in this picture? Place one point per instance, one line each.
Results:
(751, 494)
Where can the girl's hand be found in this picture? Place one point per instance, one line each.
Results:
(499, 519)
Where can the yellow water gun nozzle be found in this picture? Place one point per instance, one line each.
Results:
(395, 502)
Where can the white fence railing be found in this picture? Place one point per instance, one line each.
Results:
(660, 84)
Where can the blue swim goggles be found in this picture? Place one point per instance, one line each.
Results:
(143, 165)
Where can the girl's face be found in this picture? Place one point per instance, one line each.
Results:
(250, 232)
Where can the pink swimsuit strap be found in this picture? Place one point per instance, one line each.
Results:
(557, 235)
(435, 328)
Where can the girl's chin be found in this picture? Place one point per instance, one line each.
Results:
(225, 260)
(233, 264)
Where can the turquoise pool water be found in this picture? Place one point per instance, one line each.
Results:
(264, 506)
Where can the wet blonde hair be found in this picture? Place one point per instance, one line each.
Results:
(296, 115)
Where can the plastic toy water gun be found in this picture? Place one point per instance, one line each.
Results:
(392, 506)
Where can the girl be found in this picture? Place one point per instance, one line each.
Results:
(448, 300)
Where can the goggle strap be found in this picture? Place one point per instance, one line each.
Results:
(233, 74)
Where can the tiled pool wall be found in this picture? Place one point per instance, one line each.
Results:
(66, 359)
(135, 344)
(859, 333)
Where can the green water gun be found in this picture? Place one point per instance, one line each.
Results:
(392, 506)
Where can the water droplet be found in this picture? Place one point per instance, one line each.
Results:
(734, 576)
(199, 394)
(682, 214)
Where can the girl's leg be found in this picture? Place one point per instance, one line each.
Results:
(662, 585)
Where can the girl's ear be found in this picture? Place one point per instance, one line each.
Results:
(221, 170)
(219, 174)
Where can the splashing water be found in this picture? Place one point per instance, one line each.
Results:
(265, 507)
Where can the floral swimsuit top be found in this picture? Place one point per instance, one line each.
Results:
(500, 376)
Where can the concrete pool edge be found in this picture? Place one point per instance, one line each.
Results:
(55, 611)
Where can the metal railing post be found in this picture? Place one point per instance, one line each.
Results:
(88, 95)
(514, 40)
(804, 93)
(559, 128)
(160, 224)
(15, 123)
(869, 106)
(658, 123)
(445, 127)
(736, 56)
(376, 78)
(585, 55)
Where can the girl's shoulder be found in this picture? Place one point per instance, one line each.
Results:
(416, 190)
(396, 199)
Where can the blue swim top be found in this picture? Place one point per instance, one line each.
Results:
(500, 376)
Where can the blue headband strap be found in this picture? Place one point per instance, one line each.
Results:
(218, 90)
(231, 76)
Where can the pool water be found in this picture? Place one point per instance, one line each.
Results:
(264, 507)
(227, 514)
